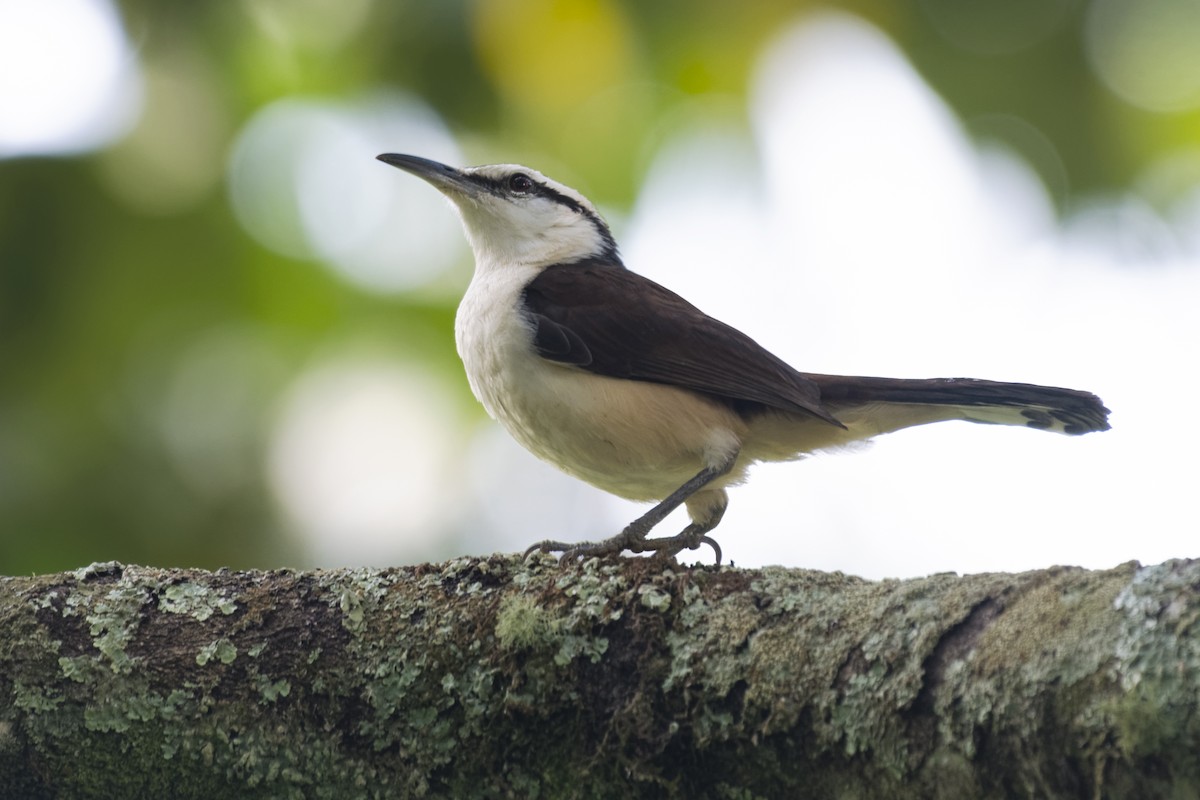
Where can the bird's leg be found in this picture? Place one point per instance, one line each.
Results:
(633, 538)
(692, 536)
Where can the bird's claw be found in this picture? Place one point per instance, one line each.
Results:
(672, 546)
(665, 548)
(579, 551)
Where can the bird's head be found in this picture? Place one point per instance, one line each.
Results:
(516, 215)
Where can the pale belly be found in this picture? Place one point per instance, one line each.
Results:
(634, 439)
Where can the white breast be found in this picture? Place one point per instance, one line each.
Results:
(634, 439)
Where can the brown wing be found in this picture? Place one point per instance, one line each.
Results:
(608, 320)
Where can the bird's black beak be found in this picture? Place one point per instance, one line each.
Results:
(440, 176)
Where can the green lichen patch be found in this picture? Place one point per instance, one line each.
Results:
(196, 600)
(499, 677)
(654, 598)
(272, 690)
(522, 623)
(1157, 663)
(1062, 619)
(221, 650)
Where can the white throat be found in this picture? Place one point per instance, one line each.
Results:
(551, 224)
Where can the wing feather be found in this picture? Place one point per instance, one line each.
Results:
(605, 319)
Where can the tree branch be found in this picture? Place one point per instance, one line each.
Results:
(489, 678)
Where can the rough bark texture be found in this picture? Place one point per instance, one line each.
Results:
(490, 678)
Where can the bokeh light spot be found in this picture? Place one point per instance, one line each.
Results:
(361, 459)
(318, 24)
(1148, 52)
(1017, 135)
(172, 160)
(68, 79)
(304, 182)
(550, 54)
(212, 413)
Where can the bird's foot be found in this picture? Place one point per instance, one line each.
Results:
(690, 539)
(634, 541)
(625, 540)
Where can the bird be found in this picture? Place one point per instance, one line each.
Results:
(620, 382)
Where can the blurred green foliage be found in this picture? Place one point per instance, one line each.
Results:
(116, 265)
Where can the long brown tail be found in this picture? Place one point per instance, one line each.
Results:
(1043, 407)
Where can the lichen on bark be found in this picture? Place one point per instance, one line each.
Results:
(493, 677)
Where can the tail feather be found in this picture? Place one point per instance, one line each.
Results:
(1043, 407)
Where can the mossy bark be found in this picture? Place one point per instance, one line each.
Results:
(493, 678)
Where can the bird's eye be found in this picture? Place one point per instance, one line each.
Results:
(520, 184)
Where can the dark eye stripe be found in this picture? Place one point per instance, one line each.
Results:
(500, 187)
